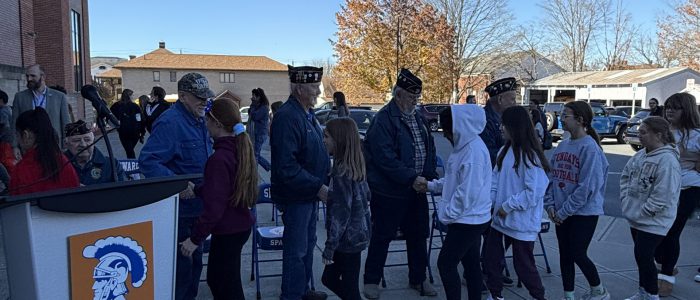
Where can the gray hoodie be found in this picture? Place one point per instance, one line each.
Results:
(649, 189)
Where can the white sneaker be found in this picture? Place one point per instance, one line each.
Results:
(591, 295)
(492, 298)
(697, 278)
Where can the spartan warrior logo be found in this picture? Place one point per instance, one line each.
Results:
(118, 257)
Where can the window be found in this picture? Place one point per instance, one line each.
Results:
(173, 76)
(76, 45)
(227, 77)
(156, 76)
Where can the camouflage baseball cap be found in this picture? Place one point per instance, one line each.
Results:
(196, 84)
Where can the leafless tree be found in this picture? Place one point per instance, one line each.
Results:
(530, 61)
(645, 50)
(482, 28)
(616, 39)
(573, 26)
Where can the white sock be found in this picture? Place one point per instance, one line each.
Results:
(669, 279)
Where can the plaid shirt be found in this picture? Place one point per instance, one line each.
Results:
(419, 152)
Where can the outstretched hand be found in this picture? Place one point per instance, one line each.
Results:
(420, 185)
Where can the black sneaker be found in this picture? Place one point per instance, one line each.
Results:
(507, 281)
(314, 295)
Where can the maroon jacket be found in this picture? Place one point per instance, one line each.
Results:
(219, 183)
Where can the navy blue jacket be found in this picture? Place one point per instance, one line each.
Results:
(300, 162)
(492, 136)
(260, 115)
(389, 150)
(97, 170)
(179, 145)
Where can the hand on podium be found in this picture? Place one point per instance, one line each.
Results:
(188, 247)
(189, 192)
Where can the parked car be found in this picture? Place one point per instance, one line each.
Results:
(552, 111)
(623, 111)
(244, 114)
(632, 132)
(431, 113)
(363, 117)
(329, 105)
(605, 124)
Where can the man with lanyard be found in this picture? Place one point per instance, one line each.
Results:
(91, 165)
(179, 145)
(400, 158)
(300, 166)
(38, 94)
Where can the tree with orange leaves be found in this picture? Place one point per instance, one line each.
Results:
(679, 34)
(376, 38)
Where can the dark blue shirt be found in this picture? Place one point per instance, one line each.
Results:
(179, 145)
(492, 136)
(97, 170)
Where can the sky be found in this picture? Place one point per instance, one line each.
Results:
(289, 31)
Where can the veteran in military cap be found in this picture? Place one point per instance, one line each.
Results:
(400, 157)
(89, 162)
(501, 96)
(300, 166)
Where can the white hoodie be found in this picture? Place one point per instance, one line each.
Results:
(467, 182)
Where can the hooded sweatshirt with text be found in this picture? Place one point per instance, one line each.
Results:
(577, 179)
(649, 189)
(467, 182)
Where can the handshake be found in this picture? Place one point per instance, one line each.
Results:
(420, 185)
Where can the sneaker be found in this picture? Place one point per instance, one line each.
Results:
(592, 295)
(371, 291)
(640, 295)
(314, 295)
(425, 288)
(665, 288)
(507, 281)
(490, 297)
(697, 278)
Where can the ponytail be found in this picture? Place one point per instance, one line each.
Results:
(590, 131)
(246, 193)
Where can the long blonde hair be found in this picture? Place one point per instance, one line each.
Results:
(226, 112)
(348, 159)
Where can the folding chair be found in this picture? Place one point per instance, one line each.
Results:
(435, 224)
(266, 238)
(399, 237)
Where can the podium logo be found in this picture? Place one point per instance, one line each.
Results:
(112, 263)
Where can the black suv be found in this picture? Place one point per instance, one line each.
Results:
(431, 113)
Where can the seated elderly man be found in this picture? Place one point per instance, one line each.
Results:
(92, 167)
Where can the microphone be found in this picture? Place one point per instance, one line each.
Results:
(89, 92)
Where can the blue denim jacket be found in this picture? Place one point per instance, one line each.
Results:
(300, 162)
(179, 145)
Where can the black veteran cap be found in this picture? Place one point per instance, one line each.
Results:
(304, 74)
(409, 82)
(501, 86)
(196, 84)
(77, 128)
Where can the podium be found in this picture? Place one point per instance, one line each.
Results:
(95, 242)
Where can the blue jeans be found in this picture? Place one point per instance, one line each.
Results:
(257, 146)
(188, 269)
(298, 242)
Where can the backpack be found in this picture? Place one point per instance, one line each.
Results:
(547, 140)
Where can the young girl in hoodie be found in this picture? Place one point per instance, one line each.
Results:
(465, 206)
(517, 190)
(682, 113)
(649, 188)
(575, 196)
(347, 217)
(229, 189)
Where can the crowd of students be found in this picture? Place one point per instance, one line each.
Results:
(659, 189)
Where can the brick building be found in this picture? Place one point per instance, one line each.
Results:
(52, 33)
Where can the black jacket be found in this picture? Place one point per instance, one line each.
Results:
(389, 150)
(149, 119)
